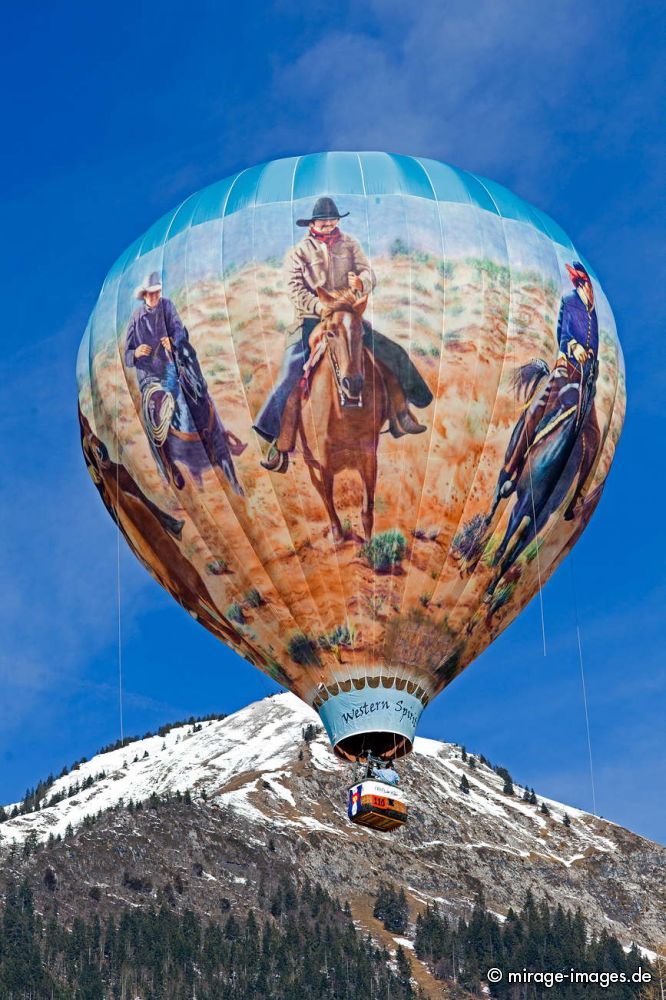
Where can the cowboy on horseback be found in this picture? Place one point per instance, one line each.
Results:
(154, 330)
(330, 260)
(569, 389)
(158, 346)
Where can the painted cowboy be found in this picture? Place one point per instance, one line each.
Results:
(568, 392)
(179, 417)
(330, 259)
(154, 331)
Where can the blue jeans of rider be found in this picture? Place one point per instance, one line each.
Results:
(269, 417)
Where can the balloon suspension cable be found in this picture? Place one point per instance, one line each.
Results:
(538, 561)
(118, 597)
(584, 689)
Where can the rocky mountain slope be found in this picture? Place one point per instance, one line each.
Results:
(263, 802)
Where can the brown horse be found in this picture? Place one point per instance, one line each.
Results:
(348, 404)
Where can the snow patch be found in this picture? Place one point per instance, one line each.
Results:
(323, 758)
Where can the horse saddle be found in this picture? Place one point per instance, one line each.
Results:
(317, 344)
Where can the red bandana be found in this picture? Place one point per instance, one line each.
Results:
(327, 238)
(577, 276)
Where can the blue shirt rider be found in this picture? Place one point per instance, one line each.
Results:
(153, 332)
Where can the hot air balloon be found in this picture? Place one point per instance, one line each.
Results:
(352, 410)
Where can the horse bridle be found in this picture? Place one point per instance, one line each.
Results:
(345, 400)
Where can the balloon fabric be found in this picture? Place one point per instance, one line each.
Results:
(352, 410)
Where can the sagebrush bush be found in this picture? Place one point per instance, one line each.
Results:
(235, 613)
(342, 635)
(303, 650)
(386, 550)
(254, 598)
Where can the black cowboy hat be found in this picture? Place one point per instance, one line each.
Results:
(325, 208)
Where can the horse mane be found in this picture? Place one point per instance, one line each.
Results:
(526, 378)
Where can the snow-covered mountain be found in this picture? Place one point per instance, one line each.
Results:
(265, 801)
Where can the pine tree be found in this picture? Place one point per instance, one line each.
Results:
(392, 908)
(464, 784)
(404, 971)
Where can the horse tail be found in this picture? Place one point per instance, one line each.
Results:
(527, 377)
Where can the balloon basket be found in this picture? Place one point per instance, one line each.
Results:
(377, 805)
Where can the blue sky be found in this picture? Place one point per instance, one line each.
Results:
(113, 116)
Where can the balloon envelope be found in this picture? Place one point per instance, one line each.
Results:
(444, 373)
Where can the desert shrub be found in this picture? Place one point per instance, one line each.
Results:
(217, 567)
(446, 268)
(496, 272)
(376, 604)
(303, 650)
(235, 613)
(469, 540)
(254, 598)
(386, 550)
(342, 635)
(399, 248)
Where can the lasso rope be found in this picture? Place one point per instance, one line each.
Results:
(158, 430)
